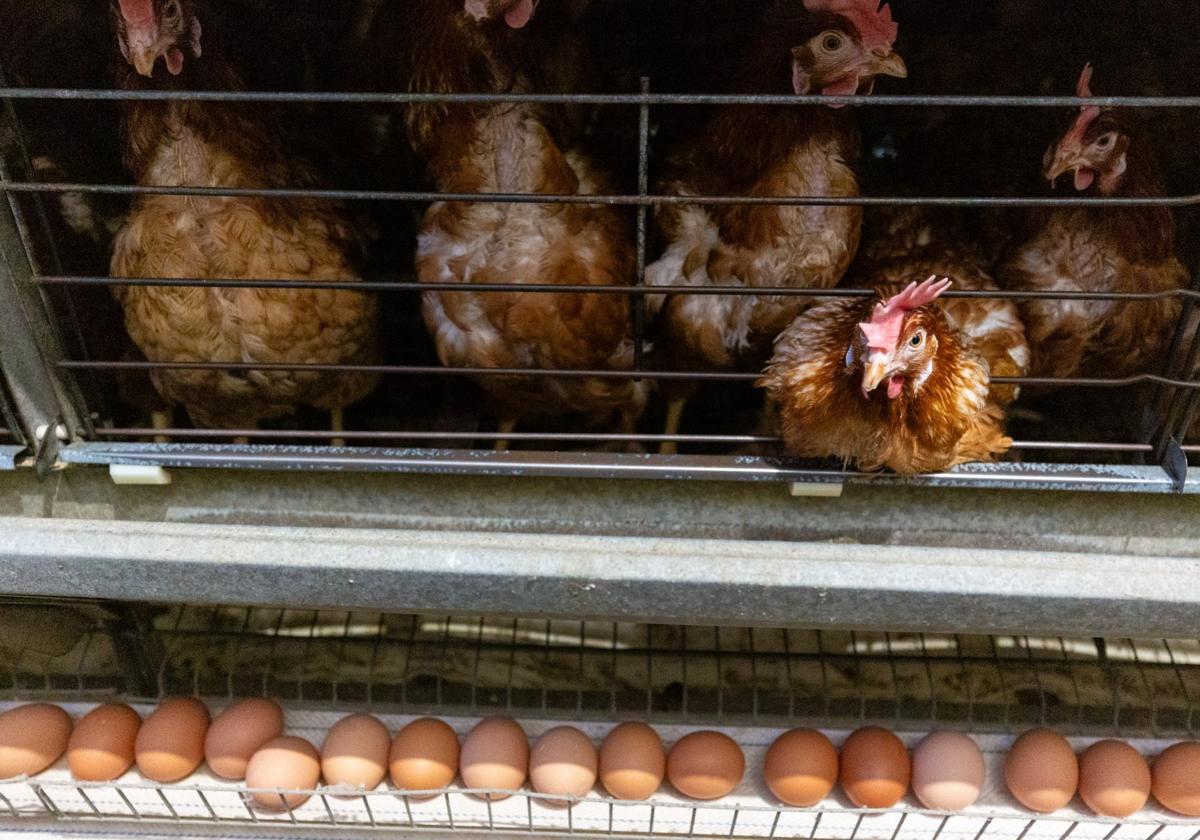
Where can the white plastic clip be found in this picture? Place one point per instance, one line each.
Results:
(128, 475)
(807, 490)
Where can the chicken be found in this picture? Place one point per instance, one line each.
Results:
(901, 381)
(833, 47)
(479, 46)
(229, 238)
(1099, 249)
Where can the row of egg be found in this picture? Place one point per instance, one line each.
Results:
(946, 770)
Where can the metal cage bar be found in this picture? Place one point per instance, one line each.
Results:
(1178, 389)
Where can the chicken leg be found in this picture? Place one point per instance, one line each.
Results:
(161, 420)
(671, 426)
(337, 423)
(506, 427)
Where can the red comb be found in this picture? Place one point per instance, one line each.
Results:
(1087, 114)
(874, 22)
(137, 11)
(883, 330)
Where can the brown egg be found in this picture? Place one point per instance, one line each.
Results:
(632, 762)
(1041, 771)
(706, 765)
(238, 732)
(102, 746)
(563, 762)
(801, 767)
(1114, 779)
(355, 752)
(32, 738)
(1176, 778)
(424, 756)
(289, 764)
(948, 771)
(495, 755)
(170, 744)
(875, 768)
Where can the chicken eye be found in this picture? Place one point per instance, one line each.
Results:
(1107, 141)
(831, 42)
(171, 9)
(917, 340)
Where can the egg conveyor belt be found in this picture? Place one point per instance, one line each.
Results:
(750, 811)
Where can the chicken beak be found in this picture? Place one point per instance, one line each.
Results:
(1064, 162)
(876, 370)
(144, 61)
(889, 64)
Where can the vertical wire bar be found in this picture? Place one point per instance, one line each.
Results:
(611, 808)
(91, 804)
(443, 661)
(546, 658)
(983, 829)
(270, 663)
(753, 677)
(134, 811)
(367, 804)
(1037, 676)
(683, 652)
(1062, 644)
(373, 665)
(774, 824)
(941, 827)
(408, 810)
(1003, 682)
(816, 825)
(1157, 831)
(824, 672)
(1116, 827)
(787, 673)
(720, 676)
(857, 825)
(638, 302)
(570, 818)
(933, 710)
(691, 832)
(654, 810)
(529, 810)
(449, 812)
(8, 804)
(1182, 685)
(891, 657)
(204, 799)
(1070, 829)
(582, 665)
(46, 800)
(900, 825)
(475, 668)
(616, 660)
(328, 810)
(337, 675)
(649, 673)
(491, 820)
(733, 822)
(859, 681)
(312, 633)
(1028, 827)
(165, 801)
(287, 806)
(408, 657)
(512, 671)
(1141, 669)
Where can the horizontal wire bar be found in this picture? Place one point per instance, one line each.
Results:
(396, 98)
(308, 434)
(551, 288)
(570, 437)
(707, 376)
(617, 200)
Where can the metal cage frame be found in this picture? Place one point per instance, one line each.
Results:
(55, 418)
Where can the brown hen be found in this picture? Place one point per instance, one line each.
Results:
(902, 381)
(1099, 249)
(176, 143)
(481, 46)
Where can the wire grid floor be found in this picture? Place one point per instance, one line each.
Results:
(567, 669)
(1175, 384)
